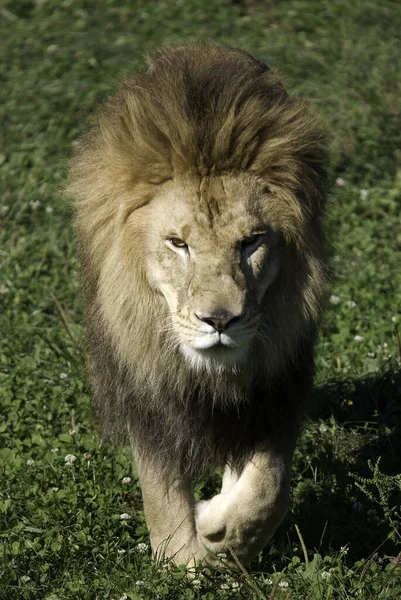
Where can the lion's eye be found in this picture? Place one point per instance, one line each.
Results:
(177, 243)
(253, 241)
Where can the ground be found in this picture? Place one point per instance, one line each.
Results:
(70, 508)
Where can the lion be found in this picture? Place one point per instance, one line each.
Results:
(200, 196)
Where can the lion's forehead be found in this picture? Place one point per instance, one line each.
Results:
(221, 208)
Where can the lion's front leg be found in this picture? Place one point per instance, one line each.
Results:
(245, 515)
(170, 514)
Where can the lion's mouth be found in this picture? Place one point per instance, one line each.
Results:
(215, 351)
(215, 341)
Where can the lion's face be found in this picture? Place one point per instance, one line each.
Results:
(212, 254)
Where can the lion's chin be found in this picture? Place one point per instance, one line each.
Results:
(216, 358)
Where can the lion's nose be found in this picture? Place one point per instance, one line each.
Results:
(219, 319)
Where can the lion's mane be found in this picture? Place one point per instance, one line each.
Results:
(206, 110)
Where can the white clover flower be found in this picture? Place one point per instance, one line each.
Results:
(224, 586)
(196, 582)
(70, 459)
(394, 319)
(235, 585)
(344, 550)
(30, 462)
(55, 450)
(126, 480)
(141, 547)
(139, 583)
(359, 338)
(371, 354)
(351, 304)
(334, 299)
(49, 210)
(364, 194)
(63, 375)
(283, 584)
(121, 551)
(25, 578)
(55, 489)
(340, 181)
(269, 582)
(325, 575)
(323, 428)
(124, 517)
(385, 346)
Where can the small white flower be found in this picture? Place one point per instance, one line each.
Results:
(25, 578)
(55, 489)
(322, 428)
(55, 450)
(235, 585)
(70, 459)
(394, 319)
(269, 582)
(222, 555)
(35, 204)
(49, 210)
(334, 299)
(225, 586)
(340, 181)
(351, 304)
(139, 583)
(126, 480)
(344, 550)
(121, 551)
(142, 547)
(124, 597)
(325, 575)
(371, 354)
(30, 462)
(124, 517)
(196, 582)
(364, 194)
(63, 375)
(359, 338)
(384, 346)
(283, 584)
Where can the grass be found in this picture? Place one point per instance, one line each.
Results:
(61, 532)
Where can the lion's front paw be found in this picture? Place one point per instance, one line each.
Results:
(218, 531)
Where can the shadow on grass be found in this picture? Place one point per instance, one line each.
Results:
(350, 422)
